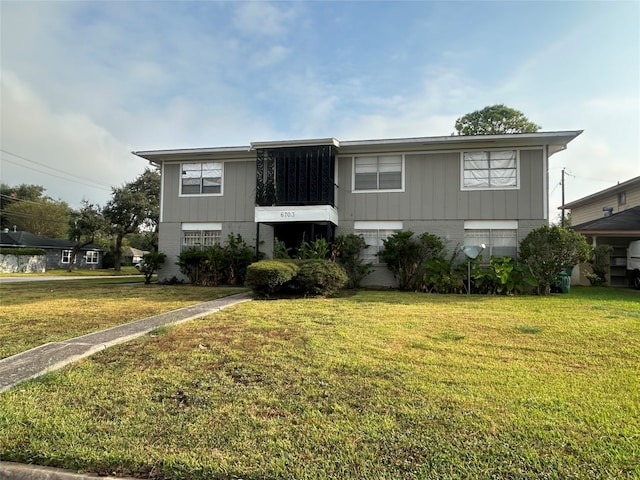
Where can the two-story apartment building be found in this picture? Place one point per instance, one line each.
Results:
(490, 189)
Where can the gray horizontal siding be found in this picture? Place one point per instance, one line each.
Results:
(432, 192)
(236, 204)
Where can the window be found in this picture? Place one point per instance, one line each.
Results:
(378, 173)
(92, 257)
(374, 234)
(486, 170)
(66, 256)
(202, 178)
(200, 235)
(622, 198)
(500, 237)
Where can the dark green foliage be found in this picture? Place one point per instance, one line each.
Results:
(548, 251)
(502, 277)
(108, 260)
(22, 251)
(444, 275)
(407, 257)
(599, 264)
(189, 262)
(150, 264)
(239, 255)
(318, 249)
(494, 120)
(320, 277)
(349, 248)
(280, 250)
(217, 265)
(267, 277)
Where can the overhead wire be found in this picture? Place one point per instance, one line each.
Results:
(80, 180)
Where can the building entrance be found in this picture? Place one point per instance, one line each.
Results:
(294, 233)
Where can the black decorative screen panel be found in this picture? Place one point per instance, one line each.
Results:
(295, 176)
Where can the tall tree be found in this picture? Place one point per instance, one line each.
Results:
(44, 217)
(133, 206)
(84, 225)
(495, 120)
(11, 194)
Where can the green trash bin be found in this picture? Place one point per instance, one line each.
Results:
(563, 281)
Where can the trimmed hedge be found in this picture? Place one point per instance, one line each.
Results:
(308, 277)
(22, 251)
(321, 277)
(267, 277)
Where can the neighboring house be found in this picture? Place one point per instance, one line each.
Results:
(132, 256)
(612, 200)
(58, 251)
(609, 217)
(490, 189)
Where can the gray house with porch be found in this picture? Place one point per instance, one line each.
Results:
(490, 189)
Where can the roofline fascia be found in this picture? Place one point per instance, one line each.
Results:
(155, 156)
(607, 191)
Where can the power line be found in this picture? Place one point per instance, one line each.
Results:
(84, 180)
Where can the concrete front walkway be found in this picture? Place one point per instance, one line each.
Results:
(52, 356)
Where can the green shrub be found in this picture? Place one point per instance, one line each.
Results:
(267, 277)
(150, 263)
(239, 255)
(407, 257)
(217, 264)
(22, 251)
(444, 275)
(349, 249)
(599, 264)
(502, 277)
(280, 250)
(318, 249)
(320, 277)
(548, 251)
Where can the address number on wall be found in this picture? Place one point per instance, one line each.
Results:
(287, 214)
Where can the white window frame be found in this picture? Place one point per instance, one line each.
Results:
(66, 256)
(492, 226)
(379, 231)
(489, 169)
(215, 166)
(92, 257)
(208, 234)
(378, 190)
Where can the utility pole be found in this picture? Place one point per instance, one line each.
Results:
(562, 184)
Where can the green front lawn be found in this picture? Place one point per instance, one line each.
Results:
(378, 385)
(35, 313)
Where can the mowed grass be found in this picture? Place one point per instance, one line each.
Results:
(378, 385)
(35, 313)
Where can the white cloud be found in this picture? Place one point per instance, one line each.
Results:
(68, 142)
(262, 19)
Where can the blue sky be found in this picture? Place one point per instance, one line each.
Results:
(85, 83)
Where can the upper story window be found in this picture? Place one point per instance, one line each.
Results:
(201, 178)
(378, 173)
(490, 170)
(622, 198)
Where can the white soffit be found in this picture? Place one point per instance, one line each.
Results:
(308, 213)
